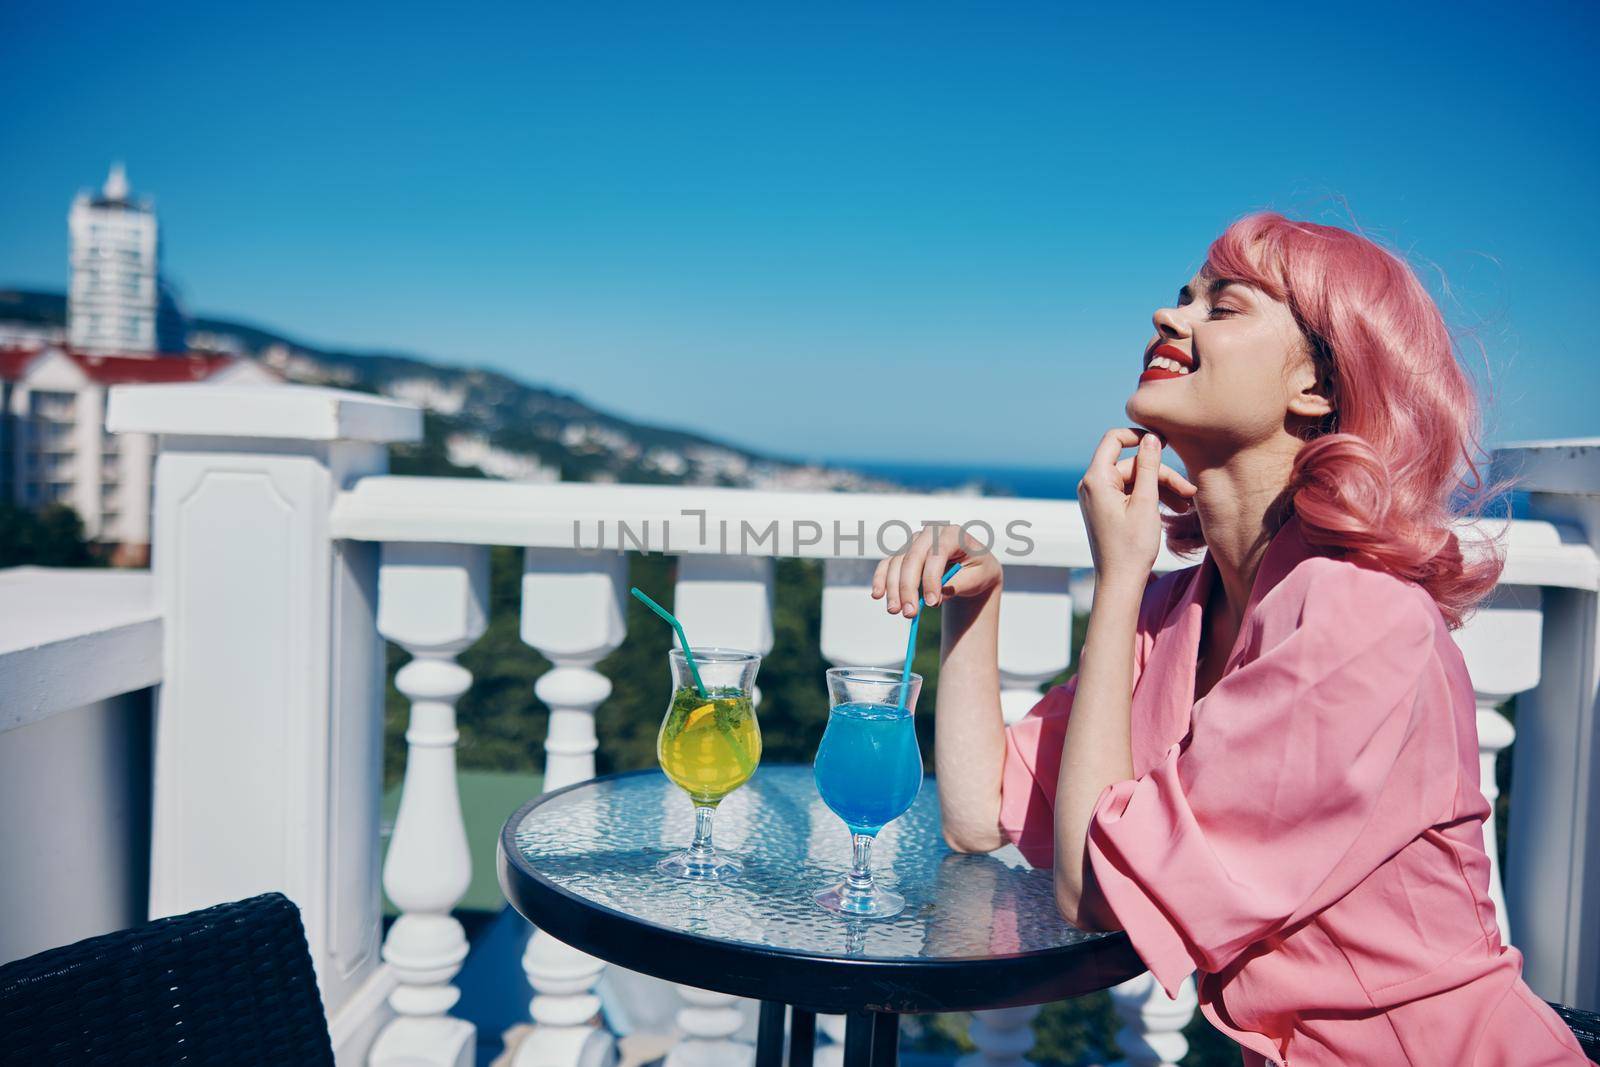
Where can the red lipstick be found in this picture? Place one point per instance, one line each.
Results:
(1166, 351)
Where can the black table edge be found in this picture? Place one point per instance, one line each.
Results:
(815, 982)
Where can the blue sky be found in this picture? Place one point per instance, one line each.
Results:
(906, 231)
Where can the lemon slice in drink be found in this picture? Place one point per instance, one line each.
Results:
(697, 714)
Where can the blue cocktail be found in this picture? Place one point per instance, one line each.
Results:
(868, 768)
(868, 771)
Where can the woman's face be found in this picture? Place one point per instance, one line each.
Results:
(1245, 371)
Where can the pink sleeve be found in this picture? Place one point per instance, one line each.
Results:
(1028, 782)
(1303, 770)
(1033, 746)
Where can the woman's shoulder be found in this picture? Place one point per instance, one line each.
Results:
(1347, 591)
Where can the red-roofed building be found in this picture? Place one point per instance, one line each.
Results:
(53, 443)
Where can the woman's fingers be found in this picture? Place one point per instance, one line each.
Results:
(1176, 491)
(911, 572)
(880, 579)
(934, 567)
(892, 582)
(1147, 471)
(1103, 464)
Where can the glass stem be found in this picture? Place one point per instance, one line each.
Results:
(858, 883)
(701, 847)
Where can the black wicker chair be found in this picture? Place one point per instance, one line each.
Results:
(1585, 1026)
(227, 985)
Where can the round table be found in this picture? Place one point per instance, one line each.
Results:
(978, 931)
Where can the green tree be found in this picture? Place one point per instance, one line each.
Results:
(50, 537)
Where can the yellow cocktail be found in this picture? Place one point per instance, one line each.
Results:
(709, 745)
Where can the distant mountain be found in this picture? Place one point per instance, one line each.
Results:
(489, 421)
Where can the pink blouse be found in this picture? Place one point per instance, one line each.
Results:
(1309, 834)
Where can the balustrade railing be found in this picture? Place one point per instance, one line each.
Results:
(429, 598)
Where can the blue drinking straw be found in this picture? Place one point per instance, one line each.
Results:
(672, 620)
(911, 643)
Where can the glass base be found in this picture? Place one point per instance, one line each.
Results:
(704, 867)
(840, 899)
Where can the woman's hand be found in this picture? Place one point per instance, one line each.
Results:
(1118, 499)
(920, 567)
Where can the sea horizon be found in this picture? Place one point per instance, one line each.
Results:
(990, 479)
(1018, 480)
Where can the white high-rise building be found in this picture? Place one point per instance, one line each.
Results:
(118, 302)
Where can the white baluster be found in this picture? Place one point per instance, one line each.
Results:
(1152, 1022)
(1035, 634)
(708, 1022)
(1501, 645)
(726, 602)
(433, 602)
(572, 612)
(858, 631)
(1004, 1037)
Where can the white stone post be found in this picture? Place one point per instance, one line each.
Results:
(1553, 857)
(269, 723)
(1500, 643)
(1152, 1022)
(573, 613)
(433, 601)
(1035, 634)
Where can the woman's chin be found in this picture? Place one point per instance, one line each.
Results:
(1141, 411)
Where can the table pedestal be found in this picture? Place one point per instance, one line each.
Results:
(871, 1038)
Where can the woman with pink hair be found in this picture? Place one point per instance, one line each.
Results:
(1266, 767)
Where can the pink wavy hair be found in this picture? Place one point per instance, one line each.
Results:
(1386, 475)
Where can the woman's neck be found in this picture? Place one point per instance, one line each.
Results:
(1240, 507)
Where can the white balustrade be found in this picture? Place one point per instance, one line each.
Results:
(573, 613)
(1152, 1022)
(433, 601)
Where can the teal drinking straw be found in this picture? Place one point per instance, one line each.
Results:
(678, 626)
(911, 643)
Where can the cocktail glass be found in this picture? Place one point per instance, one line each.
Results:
(709, 745)
(868, 771)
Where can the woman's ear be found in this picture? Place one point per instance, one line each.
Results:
(1311, 390)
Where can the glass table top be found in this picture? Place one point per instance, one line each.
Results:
(599, 842)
